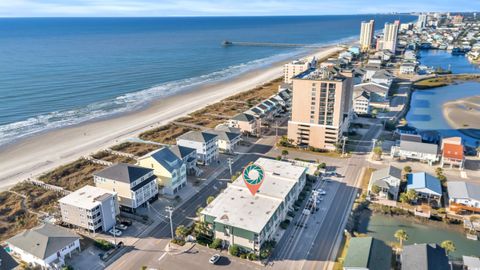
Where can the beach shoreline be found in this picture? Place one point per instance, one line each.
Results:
(30, 157)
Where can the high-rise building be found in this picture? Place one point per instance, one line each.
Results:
(457, 19)
(321, 106)
(296, 67)
(422, 21)
(366, 34)
(390, 33)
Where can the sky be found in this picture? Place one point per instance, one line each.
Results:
(141, 8)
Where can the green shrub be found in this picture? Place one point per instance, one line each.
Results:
(103, 244)
(243, 255)
(216, 244)
(284, 224)
(234, 250)
(252, 257)
(179, 242)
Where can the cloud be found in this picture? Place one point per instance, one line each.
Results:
(59, 8)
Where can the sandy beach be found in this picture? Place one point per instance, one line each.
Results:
(463, 115)
(30, 157)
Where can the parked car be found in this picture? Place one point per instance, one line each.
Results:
(115, 232)
(126, 222)
(121, 227)
(214, 259)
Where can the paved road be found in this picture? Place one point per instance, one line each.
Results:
(313, 250)
(316, 246)
(149, 248)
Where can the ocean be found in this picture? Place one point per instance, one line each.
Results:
(58, 72)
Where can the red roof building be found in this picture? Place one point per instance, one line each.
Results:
(453, 155)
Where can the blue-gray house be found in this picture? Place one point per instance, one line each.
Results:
(425, 185)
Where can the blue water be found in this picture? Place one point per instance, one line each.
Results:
(426, 111)
(444, 59)
(58, 72)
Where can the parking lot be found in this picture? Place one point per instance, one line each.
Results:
(92, 253)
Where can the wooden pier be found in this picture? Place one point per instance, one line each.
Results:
(227, 43)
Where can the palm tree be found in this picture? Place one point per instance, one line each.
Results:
(401, 236)
(449, 246)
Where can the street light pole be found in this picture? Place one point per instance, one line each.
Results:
(374, 142)
(343, 146)
(169, 209)
(230, 161)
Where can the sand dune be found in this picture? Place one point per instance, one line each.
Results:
(33, 156)
(464, 115)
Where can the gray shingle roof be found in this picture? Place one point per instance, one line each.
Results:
(198, 136)
(382, 74)
(224, 135)
(44, 240)
(244, 117)
(419, 147)
(223, 127)
(463, 190)
(424, 257)
(181, 151)
(386, 172)
(123, 172)
(371, 88)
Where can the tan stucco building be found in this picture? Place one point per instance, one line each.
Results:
(321, 107)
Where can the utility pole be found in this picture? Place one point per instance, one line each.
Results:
(115, 234)
(169, 209)
(344, 139)
(315, 196)
(230, 162)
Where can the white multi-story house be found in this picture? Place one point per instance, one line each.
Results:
(247, 123)
(227, 141)
(134, 185)
(45, 246)
(361, 103)
(206, 145)
(464, 193)
(409, 149)
(408, 68)
(388, 180)
(170, 170)
(92, 208)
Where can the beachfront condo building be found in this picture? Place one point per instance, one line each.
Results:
(134, 185)
(296, 67)
(170, 170)
(367, 30)
(239, 218)
(321, 107)
(390, 36)
(422, 21)
(91, 208)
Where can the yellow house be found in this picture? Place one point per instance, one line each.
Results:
(170, 170)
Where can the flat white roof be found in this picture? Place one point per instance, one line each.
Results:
(237, 207)
(87, 197)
